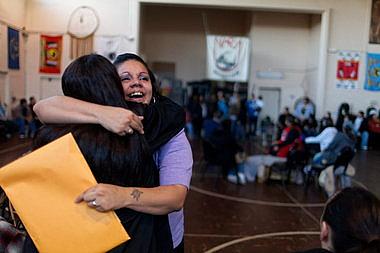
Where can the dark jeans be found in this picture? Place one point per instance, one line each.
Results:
(180, 248)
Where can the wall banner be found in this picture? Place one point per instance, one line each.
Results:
(372, 81)
(228, 58)
(110, 46)
(347, 69)
(13, 49)
(51, 51)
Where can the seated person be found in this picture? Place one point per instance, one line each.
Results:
(350, 223)
(115, 161)
(324, 138)
(310, 126)
(291, 137)
(330, 153)
(361, 130)
(210, 125)
(326, 121)
(374, 129)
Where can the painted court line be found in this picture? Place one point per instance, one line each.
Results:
(254, 237)
(14, 148)
(307, 212)
(253, 201)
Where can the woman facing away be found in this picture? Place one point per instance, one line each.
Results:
(114, 160)
(172, 151)
(350, 223)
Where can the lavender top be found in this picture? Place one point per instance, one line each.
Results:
(175, 162)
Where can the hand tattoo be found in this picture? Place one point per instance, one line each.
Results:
(136, 194)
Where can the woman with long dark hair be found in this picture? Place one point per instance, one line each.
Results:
(164, 130)
(114, 160)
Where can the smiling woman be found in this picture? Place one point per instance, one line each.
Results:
(163, 127)
(138, 82)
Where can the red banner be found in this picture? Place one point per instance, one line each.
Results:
(51, 51)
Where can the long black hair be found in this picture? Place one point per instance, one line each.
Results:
(123, 161)
(120, 59)
(113, 159)
(354, 217)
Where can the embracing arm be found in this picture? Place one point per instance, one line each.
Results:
(175, 163)
(158, 200)
(62, 109)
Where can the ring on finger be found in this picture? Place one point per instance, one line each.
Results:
(130, 131)
(94, 203)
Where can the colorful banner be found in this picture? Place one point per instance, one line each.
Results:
(228, 58)
(347, 70)
(372, 81)
(51, 50)
(111, 46)
(13, 49)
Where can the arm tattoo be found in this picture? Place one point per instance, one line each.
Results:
(136, 194)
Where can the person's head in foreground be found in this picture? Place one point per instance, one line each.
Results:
(350, 222)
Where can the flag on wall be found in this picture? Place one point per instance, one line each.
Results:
(13, 49)
(51, 50)
(228, 58)
(372, 81)
(347, 69)
(110, 46)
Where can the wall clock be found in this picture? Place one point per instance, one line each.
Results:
(83, 22)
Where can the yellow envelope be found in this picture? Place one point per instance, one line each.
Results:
(42, 187)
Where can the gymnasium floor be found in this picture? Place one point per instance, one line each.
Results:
(224, 217)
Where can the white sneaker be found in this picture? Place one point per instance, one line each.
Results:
(242, 179)
(232, 178)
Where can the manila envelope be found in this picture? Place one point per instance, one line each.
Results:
(42, 187)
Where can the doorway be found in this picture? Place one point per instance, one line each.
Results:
(272, 102)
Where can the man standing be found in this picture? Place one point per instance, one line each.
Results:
(254, 107)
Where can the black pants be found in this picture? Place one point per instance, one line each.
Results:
(180, 248)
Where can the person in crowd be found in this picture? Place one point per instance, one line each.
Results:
(34, 123)
(304, 110)
(116, 162)
(3, 111)
(326, 121)
(267, 131)
(13, 108)
(350, 223)
(309, 126)
(173, 157)
(195, 109)
(242, 116)
(343, 112)
(281, 121)
(7, 127)
(291, 137)
(324, 138)
(22, 116)
(234, 105)
(254, 107)
(222, 105)
(374, 129)
(203, 104)
(328, 155)
(361, 130)
(210, 125)
(226, 148)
